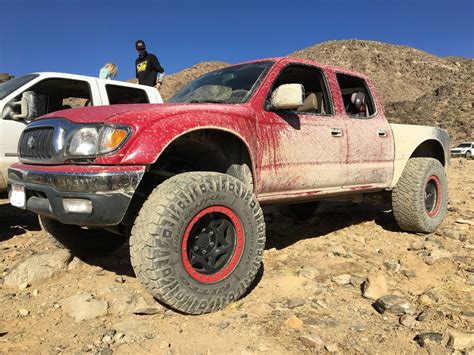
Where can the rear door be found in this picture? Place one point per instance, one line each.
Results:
(370, 150)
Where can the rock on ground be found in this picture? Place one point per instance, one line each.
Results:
(375, 286)
(428, 338)
(393, 304)
(38, 267)
(133, 329)
(83, 306)
(461, 341)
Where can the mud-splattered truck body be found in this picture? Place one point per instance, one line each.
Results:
(183, 181)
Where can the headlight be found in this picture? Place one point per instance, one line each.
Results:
(91, 141)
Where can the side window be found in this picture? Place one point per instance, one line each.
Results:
(125, 95)
(357, 98)
(61, 94)
(316, 93)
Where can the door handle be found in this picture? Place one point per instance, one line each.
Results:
(382, 133)
(336, 132)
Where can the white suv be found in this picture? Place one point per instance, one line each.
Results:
(465, 149)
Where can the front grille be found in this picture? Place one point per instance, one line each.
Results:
(37, 143)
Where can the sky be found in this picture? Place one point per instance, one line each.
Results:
(80, 36)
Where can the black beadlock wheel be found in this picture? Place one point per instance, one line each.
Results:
(420, 197)
(198, 240)
(81, 242)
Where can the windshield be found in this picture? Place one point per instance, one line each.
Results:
(230, 85)
(11, 85)
(464, 145)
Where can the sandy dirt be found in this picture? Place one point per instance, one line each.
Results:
(298, 305)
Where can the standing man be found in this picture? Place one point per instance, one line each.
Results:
(147, 67)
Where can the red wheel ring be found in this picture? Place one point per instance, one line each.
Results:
(226, 269)
(433, 183)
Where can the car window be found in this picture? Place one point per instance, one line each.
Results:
(317, 100)
(11, 85)
(230, 85)
(358, 101)
(125, 95)
(61, 94)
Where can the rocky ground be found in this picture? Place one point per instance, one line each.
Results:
(346, 281)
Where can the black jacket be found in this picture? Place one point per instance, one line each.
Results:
(146, 69)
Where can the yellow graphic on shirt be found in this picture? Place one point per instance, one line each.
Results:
(142, 66)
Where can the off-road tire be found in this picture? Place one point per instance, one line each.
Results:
(81, 242)
(410, 196)
(158, 241)
(243, 173)
(299, 211)
(468, 155)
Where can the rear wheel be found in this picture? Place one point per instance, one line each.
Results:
(81, 242)
(419, 199)
(198, 240)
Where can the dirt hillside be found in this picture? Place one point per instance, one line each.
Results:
(5, 76)
(177, 81)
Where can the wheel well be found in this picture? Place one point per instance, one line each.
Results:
(202, 150)
(430, 149)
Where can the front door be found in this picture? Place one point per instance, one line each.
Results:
(302, 150)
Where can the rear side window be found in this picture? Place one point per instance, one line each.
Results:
(358, 101)
(125, 95)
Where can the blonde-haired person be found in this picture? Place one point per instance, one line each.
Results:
(108, 71)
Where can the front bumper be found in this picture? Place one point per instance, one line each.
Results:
(109, 189)
(458, 153)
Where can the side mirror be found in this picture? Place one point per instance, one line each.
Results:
(32, 105)
(287, 96)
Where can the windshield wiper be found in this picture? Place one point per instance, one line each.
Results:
(210, 101)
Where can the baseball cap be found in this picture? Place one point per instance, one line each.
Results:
(140, 44)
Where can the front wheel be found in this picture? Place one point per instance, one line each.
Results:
(419, 199)
(198, 240)
(468, 155)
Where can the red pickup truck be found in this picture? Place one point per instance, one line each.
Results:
(184, 181)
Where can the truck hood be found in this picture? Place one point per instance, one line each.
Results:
(142, 113)
(149, 114)
(94, 114)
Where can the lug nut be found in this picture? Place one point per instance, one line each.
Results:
(196, 248)
(211, 233)
(211, 244)
(203, 252)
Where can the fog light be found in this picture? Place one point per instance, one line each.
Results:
(77, 205)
